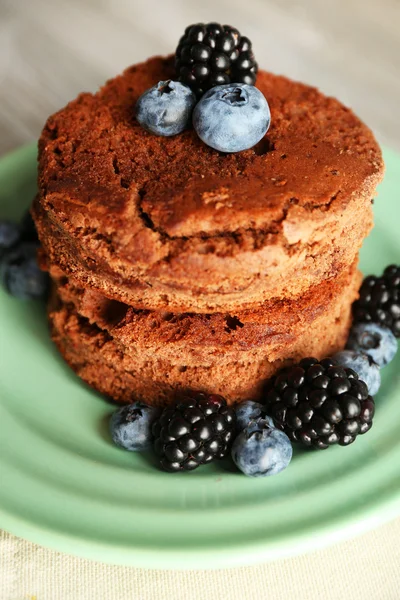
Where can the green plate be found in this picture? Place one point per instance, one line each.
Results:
(64, 485)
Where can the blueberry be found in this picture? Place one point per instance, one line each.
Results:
(232, 117)
(363, 365)
(250, 411)
(20, 273)
(260, 451)
(373, 340)
(130, 426)
(9, 235)
(166, 108)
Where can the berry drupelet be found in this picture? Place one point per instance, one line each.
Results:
(213, 54)
(318, 403)
(197, 430)
(379, 300)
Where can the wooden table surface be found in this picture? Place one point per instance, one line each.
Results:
(52, 49)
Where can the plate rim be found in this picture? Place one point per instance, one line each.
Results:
(339, 530)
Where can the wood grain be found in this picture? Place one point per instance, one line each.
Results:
(52, 49)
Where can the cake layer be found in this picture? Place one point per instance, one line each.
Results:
(274, 331)
(293, 274)
(128, 354)
(171, 224)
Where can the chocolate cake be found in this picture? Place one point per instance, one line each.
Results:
(126, 352)
(177, 266)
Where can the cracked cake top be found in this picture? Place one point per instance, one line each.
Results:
(174, 218)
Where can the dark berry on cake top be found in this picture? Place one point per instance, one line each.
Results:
(319, 403)
(211, 54)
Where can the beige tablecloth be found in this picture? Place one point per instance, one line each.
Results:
(366, 568)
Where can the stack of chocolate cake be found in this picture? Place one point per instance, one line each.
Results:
(175, 266)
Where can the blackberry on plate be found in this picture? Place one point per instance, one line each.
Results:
(197, 430)
(379, 300)
(319, 403)
(212, 54)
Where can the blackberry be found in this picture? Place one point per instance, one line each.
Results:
(197, 430)
(212, 54)
(319, 403)
(379, 300)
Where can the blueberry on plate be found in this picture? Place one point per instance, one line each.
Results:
(166, 108)
(261, 451)
(375, 341)
(9, 235)
(232, 117)
(130, 426)
(367, 370)
(247, 411)
(20, 273)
